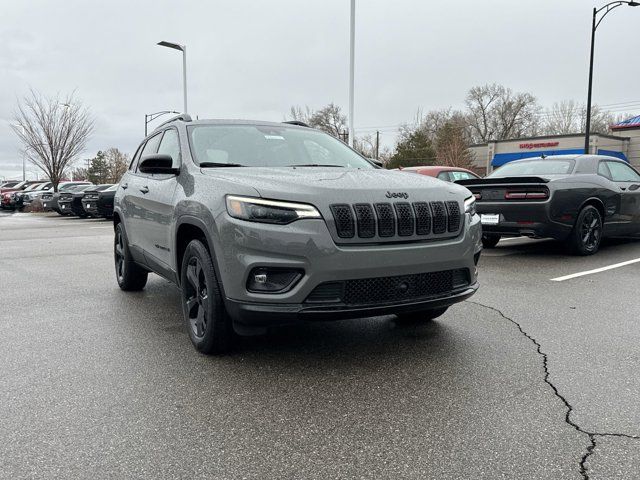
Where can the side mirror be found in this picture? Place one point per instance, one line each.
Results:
(158, 163)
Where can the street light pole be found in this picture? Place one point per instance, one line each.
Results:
(150, 117)
(183, 49)
(594, 25)
(351, 70)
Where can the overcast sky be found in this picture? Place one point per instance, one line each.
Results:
(254, 59)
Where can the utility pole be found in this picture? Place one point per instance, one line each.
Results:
(377, 144)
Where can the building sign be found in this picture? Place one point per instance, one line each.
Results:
(530, 146)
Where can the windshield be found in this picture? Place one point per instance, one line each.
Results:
(69, 186)
(112, 188)
(534, 167)
(269, 146)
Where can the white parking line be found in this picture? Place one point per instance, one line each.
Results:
(596, 270)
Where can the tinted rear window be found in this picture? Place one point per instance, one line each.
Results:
(535, 167)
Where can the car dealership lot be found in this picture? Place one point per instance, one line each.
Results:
(97, 382)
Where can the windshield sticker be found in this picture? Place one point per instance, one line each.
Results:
(274, 137)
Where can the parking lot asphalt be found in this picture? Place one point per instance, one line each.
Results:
(530, 378)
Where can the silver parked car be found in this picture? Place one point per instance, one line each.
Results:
(267, 223)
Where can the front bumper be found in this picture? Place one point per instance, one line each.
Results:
(64, 208)
(266, 314)
(307, 245)
(531, 219)
(91, 207)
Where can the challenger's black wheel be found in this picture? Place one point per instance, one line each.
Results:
(587, 232)
(490, 240)
(208, 324)
(131, 277)
(423, 316)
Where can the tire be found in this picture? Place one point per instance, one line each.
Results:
(423, 316)
(490, 240)
(206, 319)
(131, 277)
(586, 235)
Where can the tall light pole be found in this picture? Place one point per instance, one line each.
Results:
(183, 49)
(351, 70)
(594, 25)
(150, 117)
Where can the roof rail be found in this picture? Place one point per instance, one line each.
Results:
(298, 123)
(185, 117)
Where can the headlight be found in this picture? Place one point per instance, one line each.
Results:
(470, 206)
(269, 211)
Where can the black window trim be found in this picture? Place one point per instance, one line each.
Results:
(154, 135)
(604, 162)
(179, 143)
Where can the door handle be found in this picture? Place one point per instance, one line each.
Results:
(124, 186)
(144, 189)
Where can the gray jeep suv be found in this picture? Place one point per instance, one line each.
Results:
(264, 223)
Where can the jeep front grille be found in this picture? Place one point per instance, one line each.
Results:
(385, 290)
(365, 219)
(344, 220)
(400, 218)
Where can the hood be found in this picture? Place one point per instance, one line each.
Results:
(360, 206)
(311, 184)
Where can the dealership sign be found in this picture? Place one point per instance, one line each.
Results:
(530, 146)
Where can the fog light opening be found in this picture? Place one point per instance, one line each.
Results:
(273, 279)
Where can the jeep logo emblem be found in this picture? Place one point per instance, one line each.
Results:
(404, 195)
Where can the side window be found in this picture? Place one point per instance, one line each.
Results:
(136, 157)
(461, 176)
(444, 176)
(170, 145)
(621, 172)
(603, 170)
(150, 147)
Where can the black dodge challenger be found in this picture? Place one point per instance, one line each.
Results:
(577, 199)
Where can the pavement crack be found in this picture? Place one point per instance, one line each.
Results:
(569, 408)
(585, 457)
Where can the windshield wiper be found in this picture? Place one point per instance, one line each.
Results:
(315, 165)
(219, 164)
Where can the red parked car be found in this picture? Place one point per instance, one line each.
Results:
(448, 174)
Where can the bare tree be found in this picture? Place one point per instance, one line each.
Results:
(300, 114)
(496, 113)
(117, 162)
(329, 119)
(452, 146)
(53, 132)
(366, 145)
(601, 120)
(563, 118)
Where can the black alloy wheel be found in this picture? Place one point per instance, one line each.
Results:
(591, 230)
(424, 316)
(206, 319)
(130, 276)
(197, 294)
(118, 254)
(587, 233)
(490, 240)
